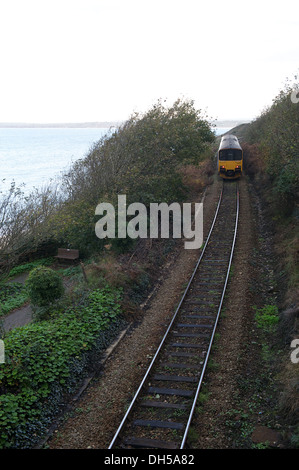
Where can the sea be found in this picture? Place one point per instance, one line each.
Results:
(33, 157)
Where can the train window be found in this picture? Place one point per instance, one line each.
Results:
(230, 154)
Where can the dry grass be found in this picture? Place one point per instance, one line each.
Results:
(107, 270)
(253, 163)
(289, 400)
(196, 177)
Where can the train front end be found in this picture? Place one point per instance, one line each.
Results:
(230, 158)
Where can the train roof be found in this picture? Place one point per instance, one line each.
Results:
(229, 141)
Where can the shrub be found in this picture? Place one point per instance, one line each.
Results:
(44, 286)
(47, 359)
(274, 153)
(266, 317)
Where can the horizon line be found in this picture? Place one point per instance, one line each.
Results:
(95, 124)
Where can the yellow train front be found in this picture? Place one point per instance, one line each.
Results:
(230, 157)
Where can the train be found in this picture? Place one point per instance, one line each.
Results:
(230, 157)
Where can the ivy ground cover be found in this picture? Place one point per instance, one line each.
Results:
(41, 360)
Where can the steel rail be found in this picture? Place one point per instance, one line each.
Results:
(215, 326)
(116, 435)
(168, 329)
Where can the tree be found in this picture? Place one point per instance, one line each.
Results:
(24, 221)
(276, 132)
(143, 157)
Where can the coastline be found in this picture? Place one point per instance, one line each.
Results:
(99, 124)
(56, 125)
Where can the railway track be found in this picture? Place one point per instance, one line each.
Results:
(161, 411)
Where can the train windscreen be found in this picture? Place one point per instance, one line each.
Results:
(230, 154)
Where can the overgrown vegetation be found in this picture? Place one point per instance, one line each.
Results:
(44, 286)
(266, 317)
(44, 360)
(146, 159)
(24, 224)
(271, 149)
(272, 153)
(22, 268)
(160, 156)
(12, 296)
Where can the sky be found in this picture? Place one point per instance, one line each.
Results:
(102, 60)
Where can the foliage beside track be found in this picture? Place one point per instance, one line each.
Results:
(153, 157)
(271, 149)
(272, 153)
(143, 159)
(44, 360)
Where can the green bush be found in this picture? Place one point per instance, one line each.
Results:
(266, 317)
(275, 134)
(43, 360)
(44, 286)
(142, 158)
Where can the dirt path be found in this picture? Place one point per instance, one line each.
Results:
(20, 317)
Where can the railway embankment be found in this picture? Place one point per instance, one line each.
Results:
(271, 147)
(249, 398)
(158, 156)
(240, 405)
(241, 402)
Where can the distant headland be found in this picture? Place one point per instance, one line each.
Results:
(230, 123)
(104, 124)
